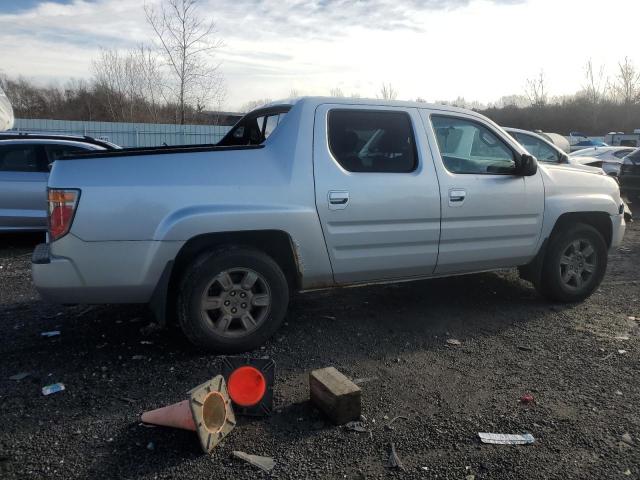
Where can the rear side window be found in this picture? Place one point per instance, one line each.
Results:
(57, 151)
(372, 141)
(21, 158)
(538, 148)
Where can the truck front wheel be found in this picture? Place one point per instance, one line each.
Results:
(574, 264)
(232, 299)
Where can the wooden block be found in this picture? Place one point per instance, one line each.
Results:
(334, 394)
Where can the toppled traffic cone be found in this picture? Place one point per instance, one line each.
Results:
(207, 411)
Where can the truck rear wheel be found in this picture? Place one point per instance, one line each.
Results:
(574, 264)
(232, 299)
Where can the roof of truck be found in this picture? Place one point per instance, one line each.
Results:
(362, 101)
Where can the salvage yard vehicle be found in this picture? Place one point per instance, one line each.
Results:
(630, 176)
(608, 158)
(318, 193)
(25, 159)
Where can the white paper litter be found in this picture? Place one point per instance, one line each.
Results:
(507, 438)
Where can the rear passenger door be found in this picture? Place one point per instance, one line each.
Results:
(377, 193)
(23, 185)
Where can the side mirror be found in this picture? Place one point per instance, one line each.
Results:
(564, 158)
(526, 166)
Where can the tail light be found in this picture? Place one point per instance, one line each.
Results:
(62, 208)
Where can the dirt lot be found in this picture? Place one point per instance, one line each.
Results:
(580, 362)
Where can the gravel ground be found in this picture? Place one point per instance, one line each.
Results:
(580, 362)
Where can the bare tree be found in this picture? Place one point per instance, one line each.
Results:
(336, 92)
(387, 92)
(536, 90)
(253, 104)
(596, 86)
(627, 83)
(188, 43)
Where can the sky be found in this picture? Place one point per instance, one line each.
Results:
(433, 49)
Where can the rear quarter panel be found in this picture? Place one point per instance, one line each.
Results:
(174, 197)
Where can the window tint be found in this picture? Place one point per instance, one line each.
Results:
(253, 130)
(56, 151)
(622, 153)
(538, 148)
(469, 147)
(372, 141)
(20, 158)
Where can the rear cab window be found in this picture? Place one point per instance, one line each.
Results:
(372, 140)
(255, 127)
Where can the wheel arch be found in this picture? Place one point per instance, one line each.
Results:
(277, 244)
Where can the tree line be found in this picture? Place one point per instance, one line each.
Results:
(171, 79)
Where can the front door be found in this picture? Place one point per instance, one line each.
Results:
(377, 193)
(491, 217)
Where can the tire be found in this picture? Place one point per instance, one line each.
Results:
(576, 251)
(222, 277)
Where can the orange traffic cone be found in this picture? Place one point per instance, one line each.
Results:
(208, 412)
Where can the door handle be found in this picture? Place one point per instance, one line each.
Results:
(338, 199)
(457, 197)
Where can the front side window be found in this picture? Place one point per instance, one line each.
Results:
(538, 148)
(622, 153)
(468, 147)
(20, 158)
(372, 141)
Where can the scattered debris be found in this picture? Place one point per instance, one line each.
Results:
(622, 352)
(525, 348)
(146, 342)
(329, 317)
(618, 392)
(394, 461)
(127, 399)
(138, 357)
(388, 425)
(263, 463)
(54, 388)
(470, 477)
(631, 317)
(19, 376)
(527, 399)
(506, 438)
(621, 337)
(627, 472)
(148, 329)
(334, 394)
(52, 333)
(626, 438)
(356, 426)
(360, 381)
(86, 310)
(453, 341)
(151, 446)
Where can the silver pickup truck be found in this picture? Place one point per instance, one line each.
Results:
(316, 193)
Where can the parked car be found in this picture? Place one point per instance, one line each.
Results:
(25, 160)
(338, 192)
(547, 152)
(579, 141)
(610, 157)
(630, 176)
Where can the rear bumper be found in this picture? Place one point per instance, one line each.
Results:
(70, 270)
(619, 227)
